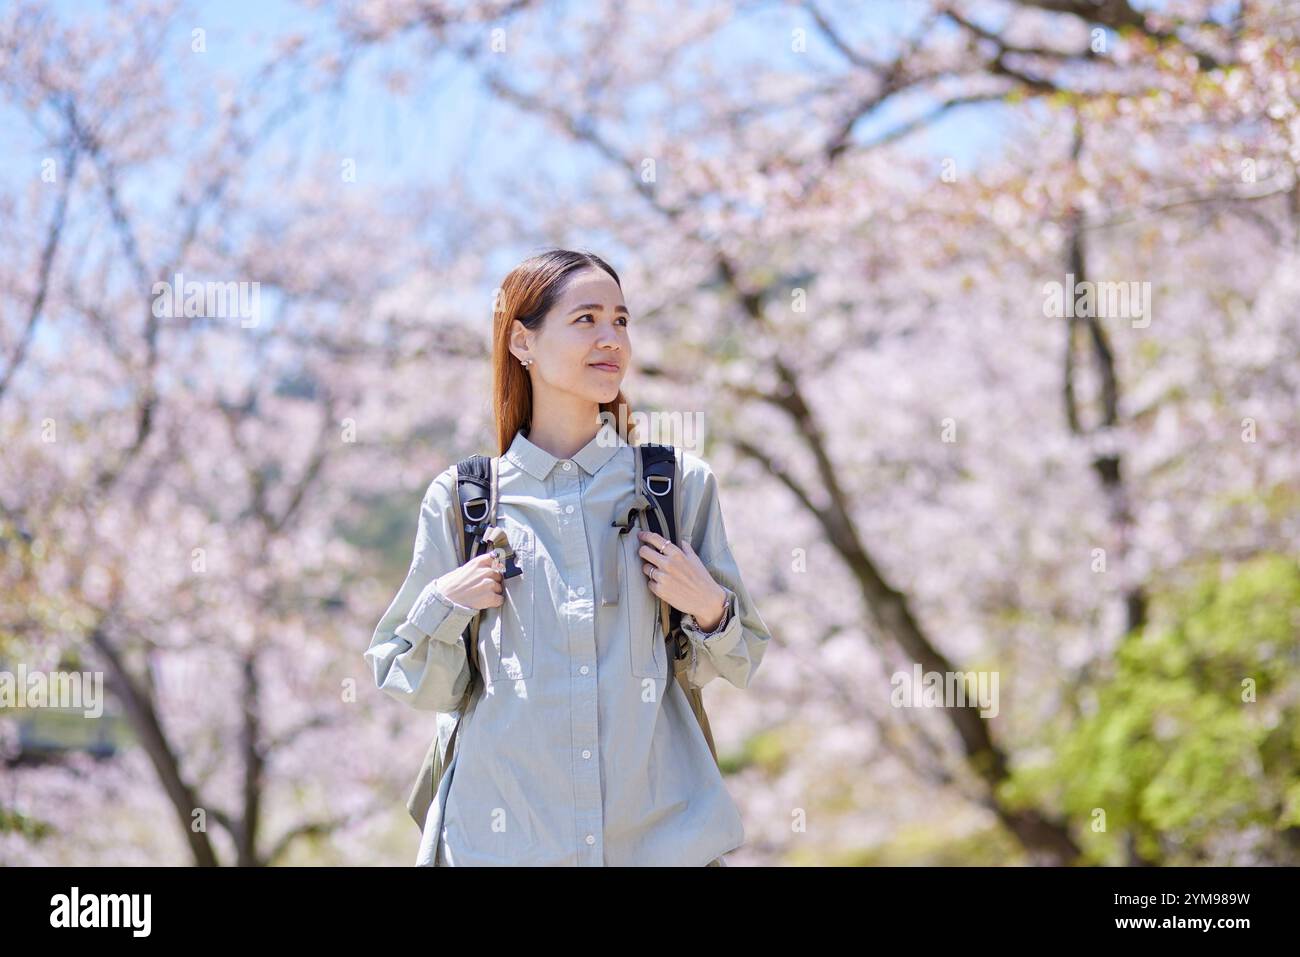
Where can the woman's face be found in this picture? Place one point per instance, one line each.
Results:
(582, 346)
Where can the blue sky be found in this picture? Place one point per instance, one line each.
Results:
(451, 123)
(449, 127)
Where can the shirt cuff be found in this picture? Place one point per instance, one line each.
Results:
(438, 616)
(690, 624)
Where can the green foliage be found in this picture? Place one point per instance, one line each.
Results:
(771, 750)
(386, 528)
(16, 822)
(922, 846)
(1196, 734)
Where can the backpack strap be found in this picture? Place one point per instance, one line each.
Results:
(657, 481)
(476, 503)
(477, 495)
(474, 500)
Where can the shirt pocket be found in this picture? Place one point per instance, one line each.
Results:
(649, 657)
(510, 626)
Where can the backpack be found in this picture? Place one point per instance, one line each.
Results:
(652, 505)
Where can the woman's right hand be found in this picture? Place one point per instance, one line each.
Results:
(476, 584)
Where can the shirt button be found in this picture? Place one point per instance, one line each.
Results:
(583, 670)
(582, 589)
(586, 753)
(591, 838)
(568, 508)
(567, 466)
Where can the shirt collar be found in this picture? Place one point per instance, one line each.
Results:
(538, 462)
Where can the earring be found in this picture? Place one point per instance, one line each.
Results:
(525, 362)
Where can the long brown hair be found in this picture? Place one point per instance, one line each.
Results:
(527, 294)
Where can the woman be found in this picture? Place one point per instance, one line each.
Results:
(579, 747)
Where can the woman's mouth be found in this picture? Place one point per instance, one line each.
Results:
(604, 366)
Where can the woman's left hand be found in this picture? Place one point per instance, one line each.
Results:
(679, 577)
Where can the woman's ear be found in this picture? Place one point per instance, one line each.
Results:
(520, 344)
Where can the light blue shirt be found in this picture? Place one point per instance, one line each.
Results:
(581, 749)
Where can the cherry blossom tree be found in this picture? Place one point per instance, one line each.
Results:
(869, 328)
(925, 463)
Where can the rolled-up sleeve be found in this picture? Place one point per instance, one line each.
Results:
(417, 652)
(734, 649)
